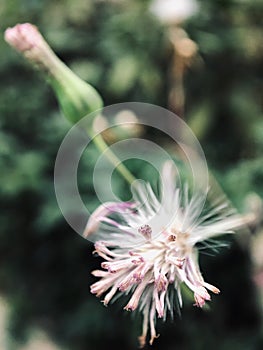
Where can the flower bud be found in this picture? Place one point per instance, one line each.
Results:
(75, 96)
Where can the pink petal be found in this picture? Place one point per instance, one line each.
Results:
(102, 212)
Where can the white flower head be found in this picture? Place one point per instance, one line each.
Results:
(149, 248)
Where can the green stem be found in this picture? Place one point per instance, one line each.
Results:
(75, 104)
(120, 167)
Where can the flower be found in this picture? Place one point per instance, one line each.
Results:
(149, 248)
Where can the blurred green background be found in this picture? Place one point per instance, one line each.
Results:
(121, 48)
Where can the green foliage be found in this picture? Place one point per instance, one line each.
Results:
(122, 50)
